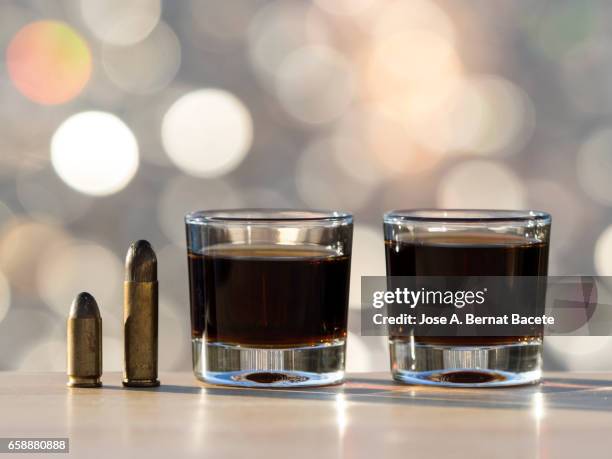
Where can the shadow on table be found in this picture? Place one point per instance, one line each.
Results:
(554, 393)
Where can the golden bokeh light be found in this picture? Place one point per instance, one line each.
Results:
(412, 74)
(392, 144)
(399, 15)
(386, 145)
(49, 62)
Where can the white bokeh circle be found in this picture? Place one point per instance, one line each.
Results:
(207, 133)
(95, 153)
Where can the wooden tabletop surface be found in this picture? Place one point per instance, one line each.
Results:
(568, 416)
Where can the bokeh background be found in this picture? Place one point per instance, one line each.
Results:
(118, 116)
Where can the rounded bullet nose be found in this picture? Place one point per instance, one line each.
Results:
(141, 244)
(141, 262)
(84, 305)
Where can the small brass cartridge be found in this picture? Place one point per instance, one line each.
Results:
(84, 342)
(140, 314)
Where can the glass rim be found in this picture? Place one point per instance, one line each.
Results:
(264, 215)
(466, 216)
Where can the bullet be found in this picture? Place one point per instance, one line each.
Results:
(84, 342)
(140, 314)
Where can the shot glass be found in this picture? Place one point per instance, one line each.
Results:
(462, 243)
(269, 296)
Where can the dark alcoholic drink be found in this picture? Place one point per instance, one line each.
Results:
(468, 254)
(269, 295)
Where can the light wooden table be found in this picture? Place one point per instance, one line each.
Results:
(569, 416)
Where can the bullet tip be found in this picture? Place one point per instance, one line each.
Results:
(141, 262)
(84, 305)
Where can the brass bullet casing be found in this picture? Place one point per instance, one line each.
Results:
(140, 315)
(84, 342)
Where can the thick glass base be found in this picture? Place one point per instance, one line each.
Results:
(466, 366)
(233, 365)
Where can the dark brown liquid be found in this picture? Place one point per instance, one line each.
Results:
(468, 254)
(269, 295)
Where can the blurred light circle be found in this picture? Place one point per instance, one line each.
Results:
(322, 183)
(412, 73)
(48, 62)
(280, 28)
(482, 115)
(389, 143)
(23, 245)
(423, 15)
(121, 22)
(342, 7)
(79, 266)
(315, 84)
(415, 55)
(594, 166)
(481, 184)
(95, 153)
(207, 133)
(367, 259)
(147, 66)
(186, 194)
(603, 253)
(5, 296)
(507, 117)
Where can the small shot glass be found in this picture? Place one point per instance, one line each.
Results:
(468, 243)
(269, 296)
